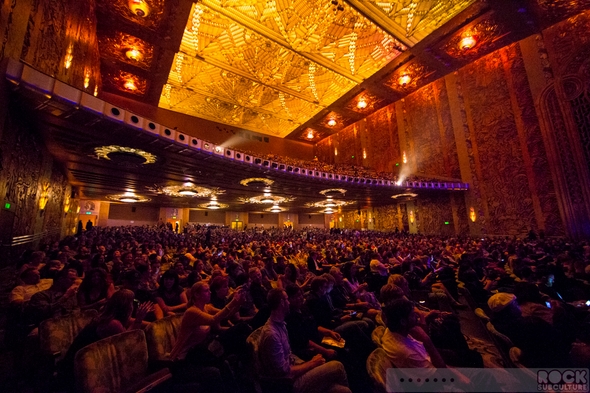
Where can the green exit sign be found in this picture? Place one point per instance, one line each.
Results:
(446, 223)
(89, 213)
(7, 205)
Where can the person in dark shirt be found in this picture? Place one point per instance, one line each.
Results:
(170, 296)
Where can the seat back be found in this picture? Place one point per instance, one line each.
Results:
(377, 365)
(57, 334)
(161, 337)
(252, 341)
(113, 364)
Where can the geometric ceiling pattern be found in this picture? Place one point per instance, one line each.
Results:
(269, 66)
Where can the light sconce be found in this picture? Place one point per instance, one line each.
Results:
(472, 215)
(134, 54)
(44, 197)
(404, 80)
(87, 79)
(69, 56)
(67, 204)
(335, 151)
(404, 158)
(364, 153)
(139, 8)
(362, 104)
(332, 122)
(95, 90)
(467, 42)
(411, 215)
(78, 210)
(310, 135)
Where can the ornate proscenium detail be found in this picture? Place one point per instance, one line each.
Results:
(128, 197)
(108, 153)
(274, 199)
(187, 190)
(256, 181)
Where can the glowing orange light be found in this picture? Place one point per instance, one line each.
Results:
(362, 104)
(331, 122)
(310, 135)
(411, 215)
(404, 158)
(364, 153)
(69, 56)
(467, 42)
(404, 79)
(472, 215)
(130, 85)
(86, 79)
(335, 151)
(134, 54)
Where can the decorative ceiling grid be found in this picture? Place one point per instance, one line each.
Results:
(256, 66)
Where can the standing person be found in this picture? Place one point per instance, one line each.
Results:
(277, 361)
(89, 225)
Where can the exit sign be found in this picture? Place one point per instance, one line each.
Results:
(89, 213)
(7, 205)
(446, 223)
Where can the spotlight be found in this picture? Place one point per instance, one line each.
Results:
(139, 8)
(404, 80)
(467, 42)
(362, 104)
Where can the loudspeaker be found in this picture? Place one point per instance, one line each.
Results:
(151, 127)
(114, 113)
(91, 103)
(195, 143)
(133, 120)
(310, 216)
(168, 133)
(229, 153)
(37, 79)
(181, 138)
(206, 214)
(262, 216)
(67, 93)
(133, 209)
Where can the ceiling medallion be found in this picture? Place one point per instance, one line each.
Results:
(328, 204)
(274, 199)
(256, 181)
(410, 77)
(473, 42)
(405, 195)
(186, 190)
(126, 82)
(127, 49)
(128, 197)
(333, 191)
(121, 154)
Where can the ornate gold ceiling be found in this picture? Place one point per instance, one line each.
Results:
(269, 66)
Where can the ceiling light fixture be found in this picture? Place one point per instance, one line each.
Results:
(362, 104)
(187, 192)
(310, 135)
(331, 122)
(139, 8)
(276, 209)
(134, 54)
(404, 80)
(256, 181)
(128, 197)
(467, 42)
(130, 85)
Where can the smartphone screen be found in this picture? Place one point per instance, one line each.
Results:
(548, 304)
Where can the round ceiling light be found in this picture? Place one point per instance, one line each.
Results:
(256, 181)
(267, 199)
(213, 205)
(128, 197)
(330, 192)
(134, 54)
(332, 122)
(310, 134)
(276, 209)
(467, 42)
(139, 8)
(404, 80)
(125, 155)
(362, 104)
(328, 203)
(186, 190)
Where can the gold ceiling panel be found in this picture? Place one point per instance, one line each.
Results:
(411, 20)
(270, 66)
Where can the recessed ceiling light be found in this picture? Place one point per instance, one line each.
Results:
(139, 8)
(187, 192)
(404, 80)
(134, 54)
(310, 135)
(362, 104)
(467, 42)
(331, 122)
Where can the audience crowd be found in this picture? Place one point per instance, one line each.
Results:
(316, 302)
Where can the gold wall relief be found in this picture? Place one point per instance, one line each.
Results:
(433, 212)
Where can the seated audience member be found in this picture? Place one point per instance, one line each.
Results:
(407, 345)
(170, 296)
(95, 289)
(541, 344)
(32, 283)
(268, 272)
(51, 269)
(58, 300)
(199, 319)
(277, 361)
(115, 318)
(377, 277)
(343, 298)
(305, 334)
(258, 291)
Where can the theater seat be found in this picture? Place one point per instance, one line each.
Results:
(266, 384)
(117, 364)
(161, 337)
(57, 334)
